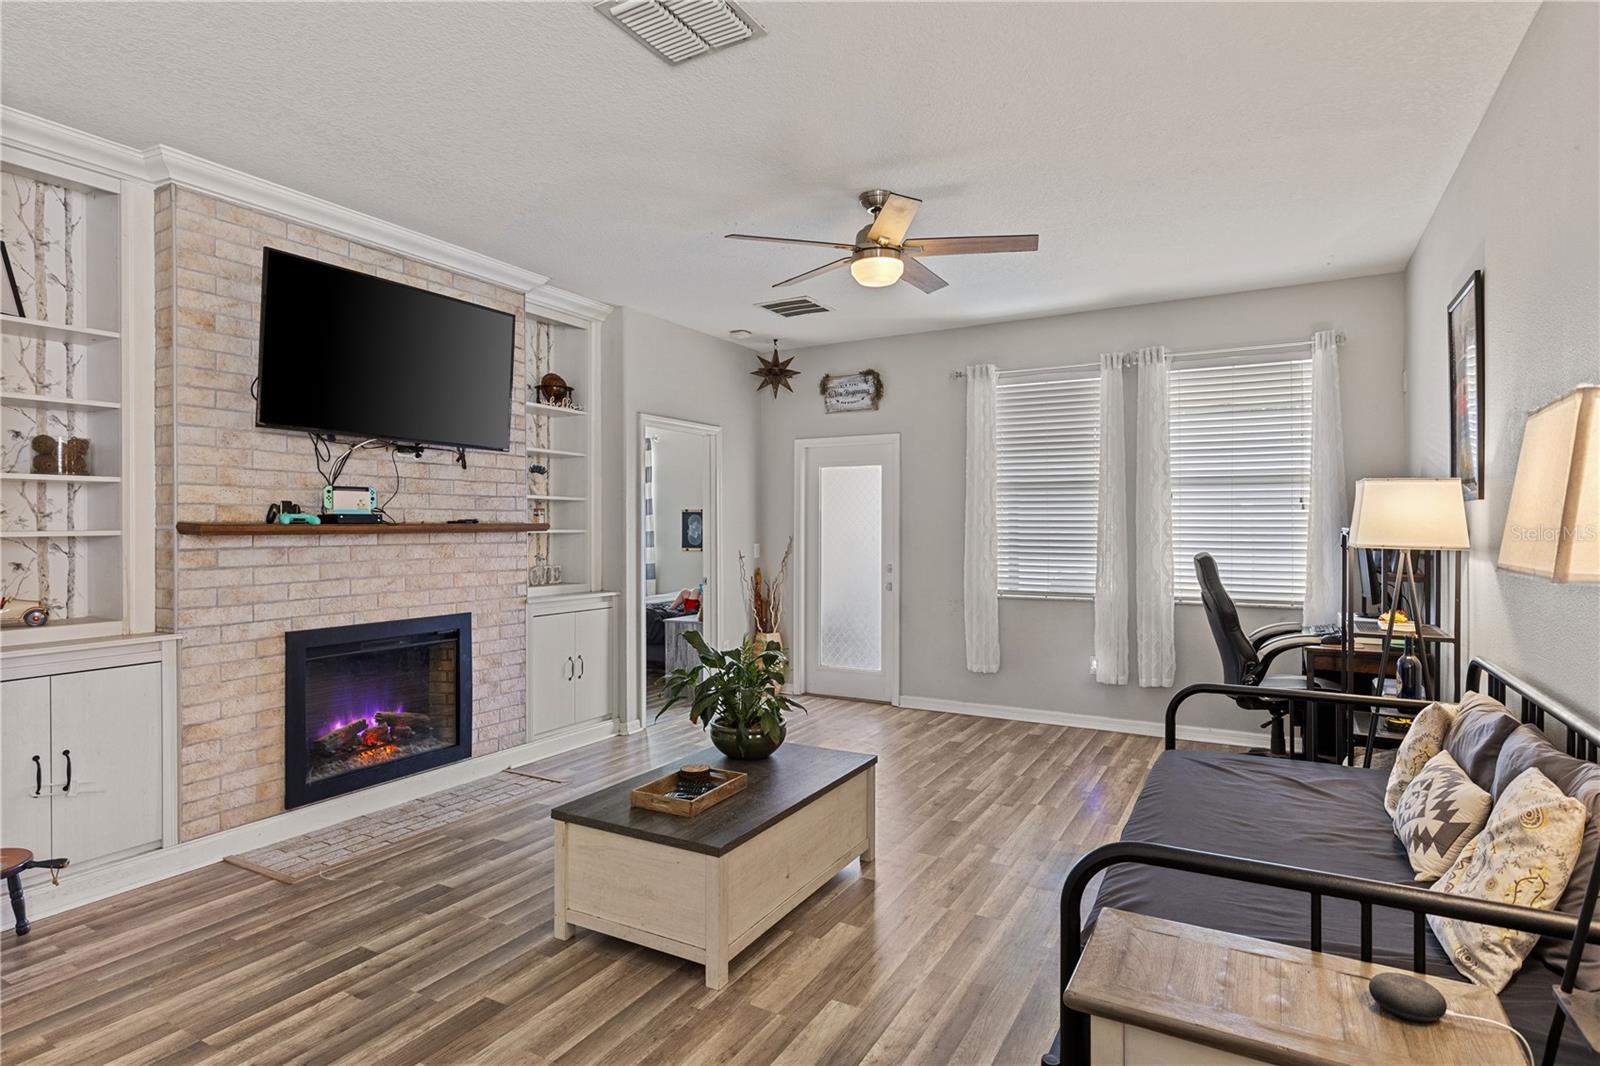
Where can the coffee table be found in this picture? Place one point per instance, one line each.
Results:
(705, 887)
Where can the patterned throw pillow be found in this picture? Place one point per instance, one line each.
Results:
(1439, 812)
(1525, 855)
(1423, 741)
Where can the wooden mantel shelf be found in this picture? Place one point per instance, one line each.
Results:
(299, 529)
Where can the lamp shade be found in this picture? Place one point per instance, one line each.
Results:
(1415, 513)
(1553, 522)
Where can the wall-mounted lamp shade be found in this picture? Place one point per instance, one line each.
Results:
(1416, 513)
(1553, 524)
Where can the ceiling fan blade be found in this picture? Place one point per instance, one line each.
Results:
(1017, 242)
(921, 276)
(788, 240)
(823, 269)
(894, 218)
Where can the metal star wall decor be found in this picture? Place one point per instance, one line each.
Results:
(774, 372)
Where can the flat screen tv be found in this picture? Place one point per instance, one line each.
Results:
(349, 354)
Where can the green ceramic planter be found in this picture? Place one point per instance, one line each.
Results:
(755, 744)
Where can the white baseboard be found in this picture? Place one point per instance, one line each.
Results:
(79, 887)
(1133, 726)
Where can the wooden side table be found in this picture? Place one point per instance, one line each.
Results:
(677, 651)
(1162, 992)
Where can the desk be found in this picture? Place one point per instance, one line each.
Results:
(1326, 662)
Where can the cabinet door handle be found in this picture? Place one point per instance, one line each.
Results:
(580, 666)
(68, 754)
(569, 668)
(38, 776)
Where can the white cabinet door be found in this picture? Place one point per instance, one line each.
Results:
(594, 665)
(110, 722)
(552, 667)
(25, 784)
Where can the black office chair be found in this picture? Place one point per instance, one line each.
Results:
(1246, 657)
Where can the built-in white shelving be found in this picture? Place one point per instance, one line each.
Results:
(552, 409)
(566, 588)
(564, 338)
(62, 403)
(11, 325)
(102, 523)
(88, 479)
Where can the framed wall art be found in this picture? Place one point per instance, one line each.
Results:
(1466, 386)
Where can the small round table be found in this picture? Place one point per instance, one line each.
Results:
(12, 862)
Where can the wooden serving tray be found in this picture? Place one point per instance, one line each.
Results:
(653, 795)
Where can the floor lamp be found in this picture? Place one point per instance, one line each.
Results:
(1408, 514)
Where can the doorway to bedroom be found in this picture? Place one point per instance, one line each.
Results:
(678, 549)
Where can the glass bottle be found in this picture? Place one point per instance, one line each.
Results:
(1408, 672)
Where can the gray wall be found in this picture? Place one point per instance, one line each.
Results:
(1046, 645)
(1522, 208)
(682, 467)
(655, 367)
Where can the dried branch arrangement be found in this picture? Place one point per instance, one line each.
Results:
(764, 597)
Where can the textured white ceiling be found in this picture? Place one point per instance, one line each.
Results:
(1161, 150)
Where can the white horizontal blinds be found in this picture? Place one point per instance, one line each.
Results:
(1047, 454)
(1241, 475)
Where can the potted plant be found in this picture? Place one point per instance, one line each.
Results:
(737, 695)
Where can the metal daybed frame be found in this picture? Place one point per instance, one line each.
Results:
(1582, 740)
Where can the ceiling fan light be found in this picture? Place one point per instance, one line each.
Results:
(875, 268)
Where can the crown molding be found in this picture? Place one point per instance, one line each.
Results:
(548, 301)
(28, 139)
(214, 179)
(96, 161)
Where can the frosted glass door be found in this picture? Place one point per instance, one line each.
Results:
(850, 520)
(851, 504)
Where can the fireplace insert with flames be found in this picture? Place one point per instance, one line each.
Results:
(370, 703)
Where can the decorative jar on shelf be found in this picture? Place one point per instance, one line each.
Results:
(54, 454)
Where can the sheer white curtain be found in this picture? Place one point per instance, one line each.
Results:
(1111, 568)
(979, 575)
(1153, 522)
(1327, 512)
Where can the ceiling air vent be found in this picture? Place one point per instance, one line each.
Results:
(677, 30)
(794, 307)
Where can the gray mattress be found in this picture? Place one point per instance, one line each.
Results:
(1305, 814)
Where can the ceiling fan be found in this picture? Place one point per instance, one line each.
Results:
(882, 253)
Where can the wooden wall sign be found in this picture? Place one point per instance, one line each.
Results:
(860, 391)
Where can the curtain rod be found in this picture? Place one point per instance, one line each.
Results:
(956, 375)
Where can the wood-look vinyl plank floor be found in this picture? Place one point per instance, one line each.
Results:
(442, 952)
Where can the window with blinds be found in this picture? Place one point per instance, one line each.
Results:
(1047, 444)
(1241, 476)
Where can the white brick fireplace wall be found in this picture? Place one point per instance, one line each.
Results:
(233, 598)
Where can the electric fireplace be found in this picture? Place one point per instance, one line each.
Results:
(370, 703)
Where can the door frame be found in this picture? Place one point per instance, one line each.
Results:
(803, 446)
(633, 612)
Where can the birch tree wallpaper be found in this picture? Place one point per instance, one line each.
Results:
(43, 227)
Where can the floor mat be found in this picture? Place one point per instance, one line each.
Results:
(298, 858)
